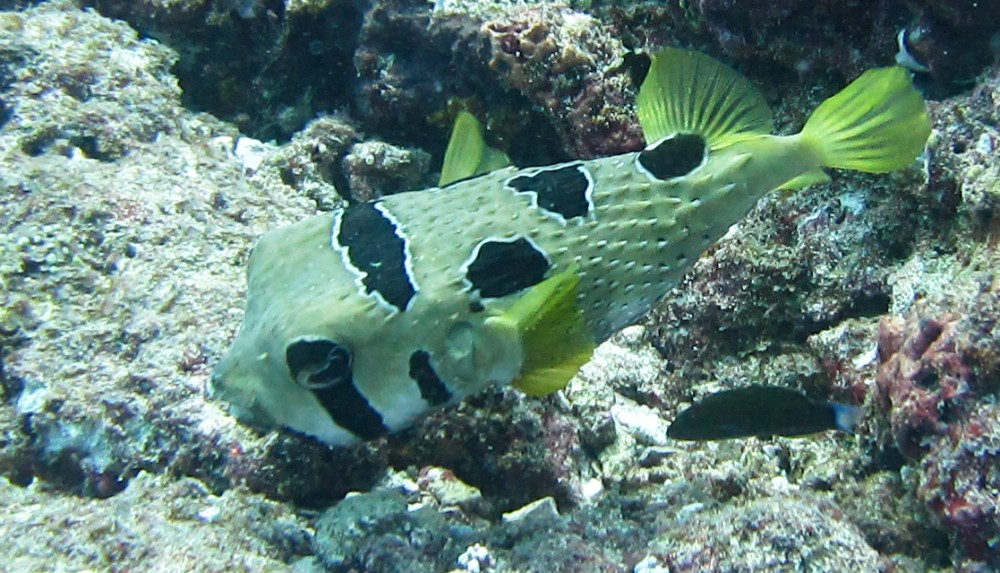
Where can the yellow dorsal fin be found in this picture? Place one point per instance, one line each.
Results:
(554, 336)
(689, 92)
(467, 153)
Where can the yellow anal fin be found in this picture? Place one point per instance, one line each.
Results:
(554, 336)
(689, 92)
(808, 178)
(467, 154)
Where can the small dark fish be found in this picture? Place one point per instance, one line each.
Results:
(760, 411)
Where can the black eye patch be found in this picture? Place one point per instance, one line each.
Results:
(326, 369)
(317, 364)
(673, 156)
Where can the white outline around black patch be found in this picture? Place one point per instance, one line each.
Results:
(407, 255)
(360, 275)
(464, 268)
(642, 169)
(588, 194)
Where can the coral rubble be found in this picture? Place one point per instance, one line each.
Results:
(141, 158)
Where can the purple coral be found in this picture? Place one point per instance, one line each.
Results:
(934, 369)
(961, 481)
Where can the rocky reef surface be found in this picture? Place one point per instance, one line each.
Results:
(145, 146)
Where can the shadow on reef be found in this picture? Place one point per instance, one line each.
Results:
(394, 67)
(252, 63)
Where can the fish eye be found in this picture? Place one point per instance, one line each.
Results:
(673, 156)
(317, 364)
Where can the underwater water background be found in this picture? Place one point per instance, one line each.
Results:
(145, 147)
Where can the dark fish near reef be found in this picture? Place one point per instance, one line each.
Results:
(761, 411)
(360, 321)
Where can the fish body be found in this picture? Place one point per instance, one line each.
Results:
(761, 411)
(360, 321)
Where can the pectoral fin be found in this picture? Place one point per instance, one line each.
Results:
(553, 334)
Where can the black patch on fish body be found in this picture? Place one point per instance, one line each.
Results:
(376, 248)
(564, 191)
(432, 389)
(753, 411)
(332, 383)
(674, 156)
(501, 268)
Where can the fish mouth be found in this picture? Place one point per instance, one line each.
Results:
(232, 388)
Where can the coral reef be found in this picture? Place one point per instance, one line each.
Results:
(126, 219)
(253, 62)
(157, 523)
(375, 168)
(701, 541)
(934, 372)
(70, 105)
(960, 479)
(118, 270)
(569, 64)
(953, 40)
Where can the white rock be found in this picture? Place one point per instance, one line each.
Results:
(650, 565)
(209, 514)
(591, 489)
(251, 153)
(641, 421)
(539, 510)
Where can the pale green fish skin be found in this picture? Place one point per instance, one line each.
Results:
(640, 239)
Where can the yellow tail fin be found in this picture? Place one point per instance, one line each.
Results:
(876, 124)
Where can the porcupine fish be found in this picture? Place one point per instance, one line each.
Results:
(362, 320)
